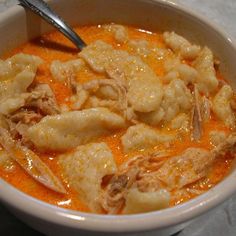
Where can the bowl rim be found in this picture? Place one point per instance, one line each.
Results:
(123, 223)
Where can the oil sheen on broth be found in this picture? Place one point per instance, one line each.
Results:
(136, 122)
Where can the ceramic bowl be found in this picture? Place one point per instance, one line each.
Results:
(18, 26)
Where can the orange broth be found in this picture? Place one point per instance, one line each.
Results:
(54, 46)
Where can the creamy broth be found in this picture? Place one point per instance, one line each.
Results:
(54, 46)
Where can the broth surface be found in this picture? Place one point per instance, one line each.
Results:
(54, 46)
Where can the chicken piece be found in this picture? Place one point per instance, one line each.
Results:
(160, 171)
(26, 117)
(30, 162)
(119, 31)
(204, 64)
(41, 98)
(79, 99)
(142, 136)
(27, 109)
(193, 164)
(181, 45)
(109, 93)
(205, 108)
(130, 174)
(117, 89)
(70, 129)
(85, 168)
(196, 122)
(222, 108)
(186, 168)
(144, 88)
(113, 198)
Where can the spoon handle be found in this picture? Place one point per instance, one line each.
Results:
(42, 9)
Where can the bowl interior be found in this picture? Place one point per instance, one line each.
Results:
(18, 26)
(152, 15)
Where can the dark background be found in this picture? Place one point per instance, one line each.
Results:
(11, 226)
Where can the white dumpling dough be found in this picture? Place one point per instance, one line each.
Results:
(70, 129)
(139, 202)
(221, 106)
(142, 136)
(84, 169)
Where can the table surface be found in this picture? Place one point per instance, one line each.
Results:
(222, 221)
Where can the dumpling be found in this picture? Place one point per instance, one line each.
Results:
(181, 45)
(85, 168)
(204, 64)
(176, 98)
(142, 136)
(10, 105)
(152, 118)
(184, 72)
(140, 47)
(139, 202)
(17, 73)
(97, 55)
(70, 129)
(217, 137)
(181, 122)
(119, 31)
(145, 95)
(5, 161)
(62, 71)
(144, 87)
(102, 57)
(18, 63)
(221, 106)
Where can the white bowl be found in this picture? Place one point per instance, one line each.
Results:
(17, 26)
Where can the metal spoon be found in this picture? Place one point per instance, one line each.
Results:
(42, 9)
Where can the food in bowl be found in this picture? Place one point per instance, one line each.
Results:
(136, 122)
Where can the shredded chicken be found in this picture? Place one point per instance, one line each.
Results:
(113, 197)
(28, 109)
(196, 117)
(43, 98)
(40, 98)
(118, 104)
(160, 171)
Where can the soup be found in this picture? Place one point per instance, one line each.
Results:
(137, 121)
